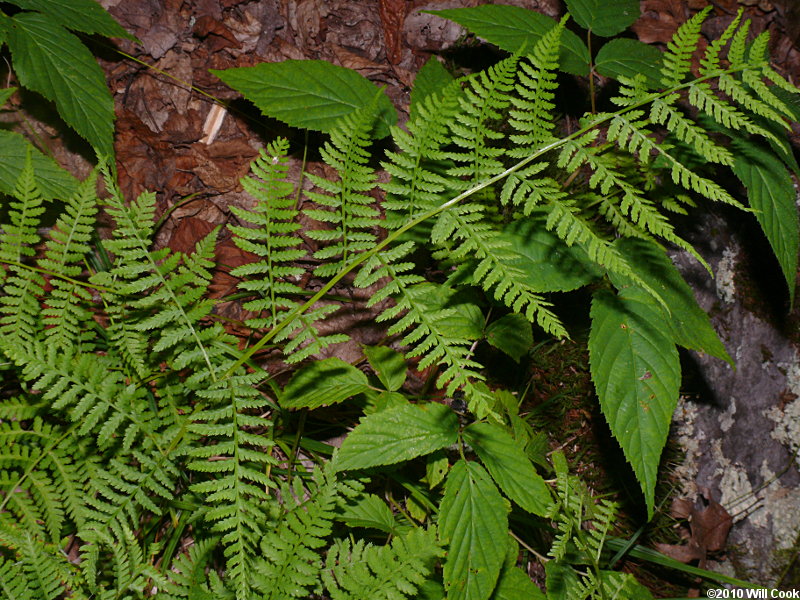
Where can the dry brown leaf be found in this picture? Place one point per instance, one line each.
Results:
(215, 33)
(393, 14)
(660, 19)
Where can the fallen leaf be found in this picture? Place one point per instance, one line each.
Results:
(393, 14)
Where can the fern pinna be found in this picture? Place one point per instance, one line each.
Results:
(145, 452)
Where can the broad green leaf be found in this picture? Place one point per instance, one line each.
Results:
(512, 334)
(637, 374)
(773, 197)
(430, 79)
(378, 401)
(81, 15)
(562, 582)
(604, 17)
(431, 590)
(509, 467)
(467, 320)
(52, 181)
(625, 57)
(311, 94)
(516, 585)
(389, 365)
(398, 434)
(513, 28)
(548, 263)
(323, 383)
(689, 324)
(436, 467)
(370, 511)
(473, 521)
(50, 60)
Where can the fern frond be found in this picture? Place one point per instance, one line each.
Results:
(158, 291)
(14, 583)
(48, 574)
(710, 62)
(686, 130)
(20, 235)
(429, 337)
(43, 476)
(289, 564)
(187, 577)
(465, 233)
(356, 570)
(305, 339)
(348, 207)
(125, 488)
(274, 238)
(93, 392)
(417, 182)
(485, 98)
(663, 112)
(236, 488)
(532, 112)
(20, 309)
(676, 61)
(66, 315)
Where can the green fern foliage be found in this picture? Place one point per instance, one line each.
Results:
(347, 207)
(276, 239)
(67, 312)
(148, 452)
(236, 487)
(391, 572)
(20, 312)
(290, 564)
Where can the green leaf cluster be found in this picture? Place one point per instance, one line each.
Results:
(146, 451)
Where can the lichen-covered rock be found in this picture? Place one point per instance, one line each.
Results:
(741, 429)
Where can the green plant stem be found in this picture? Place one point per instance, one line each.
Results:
(85, 284)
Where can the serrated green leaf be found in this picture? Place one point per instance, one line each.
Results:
(512, 28)
(516, 585)
(311, 94)
(773, 197)
(50, 60)
(52, 180)
(511, 334)
(548, 263)
(398, 434)
(474, 523)
(509, 467)
(370, 511)
(390, 366)
(323, 383)
(6, 93)
(81, 15)
(430, 79)
(637, 374)
(689, 324)
(604, 17)
(627, 58)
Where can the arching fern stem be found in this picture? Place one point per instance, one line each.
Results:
(290, 316)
